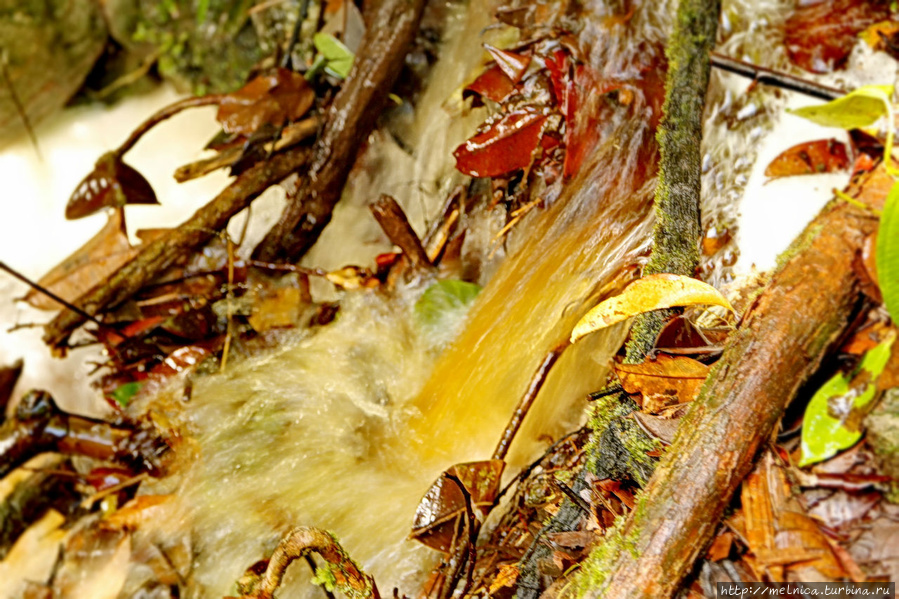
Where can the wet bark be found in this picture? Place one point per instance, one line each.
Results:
(350, 119)
(782, 340)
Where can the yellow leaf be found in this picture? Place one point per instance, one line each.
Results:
(653, 292)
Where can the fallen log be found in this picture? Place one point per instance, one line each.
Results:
(784, 335)
(389, 32)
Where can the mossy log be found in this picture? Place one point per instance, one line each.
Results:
(784, 335)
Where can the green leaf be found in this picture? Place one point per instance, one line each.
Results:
(123, 394)
(860, 108)
(339, 58)
(887, 253)
(824, 426)
(444, 303)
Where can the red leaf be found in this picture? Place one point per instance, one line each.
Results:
(512, 64)
(819, 37)
(111, 184)
(507, 145)
(274, 98)
(492, 84)
(809, 158)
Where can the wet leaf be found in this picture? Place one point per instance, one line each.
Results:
(441, 507)
(278, 309)
(274, 98)
(123, 394)
(662, 382)
(820, 36)
(506, 576)
(338, 58)
(883, 36)
(88, 266)
(887, 253)
(112, 184)
(507, 145)
(512, 64)
(810, 158)
(859, 108)
(653, 292)
(443, 302)
(492, 84)
(831, 423)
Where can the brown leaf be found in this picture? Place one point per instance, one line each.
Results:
(512, 64)
(87, 267)
(505, 577)
(505, 146)
(662, 382)
(435, 519)
(112, 184)
(273, 98)
(492, 84)
(658, 427)
(820, 36)
(810, 158)
(279, 308)
(720, 548)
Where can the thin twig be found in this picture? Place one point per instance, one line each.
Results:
(166, 113)
(775, 78)
(396, 226)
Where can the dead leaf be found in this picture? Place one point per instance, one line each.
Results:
(112, 184)
(653, 292)
(87, 267)
(438, 512)
(512, 64)
(810, 158)
(507, 576)
(883, 36)
(820, 36)
(662, 382)
(274, 98)
(504, 146)
(492, 84)
(720, 548)
(658, 427)
(279, 308)
(135, 513)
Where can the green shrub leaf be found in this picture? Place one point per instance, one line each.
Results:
(339, 58)
(833, 417)
(860, 108)
(887, 253)
(123, 394)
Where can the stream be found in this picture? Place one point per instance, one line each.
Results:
(345, 428)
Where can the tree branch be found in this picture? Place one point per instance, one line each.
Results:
(350, 119)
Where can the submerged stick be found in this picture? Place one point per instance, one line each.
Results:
(396, 226)
(351, 118)
(155, 257)
(775, 78)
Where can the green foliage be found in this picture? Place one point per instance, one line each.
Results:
(338, 58)
(860, 108)
(887, 253)
(123, 394)
(442, 303)
(833, 417)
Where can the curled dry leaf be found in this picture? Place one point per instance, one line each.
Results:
(512, 64)
(88, 266)
(507, 145)
(111, 184)
(810, 158)
(653, 292)
(441, 507)
(662, 382)
(492, 84)
(273, 98)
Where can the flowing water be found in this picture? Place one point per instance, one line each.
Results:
(346, 428)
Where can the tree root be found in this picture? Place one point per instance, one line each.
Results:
(342, 574)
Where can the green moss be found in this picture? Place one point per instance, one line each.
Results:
(595, 569)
